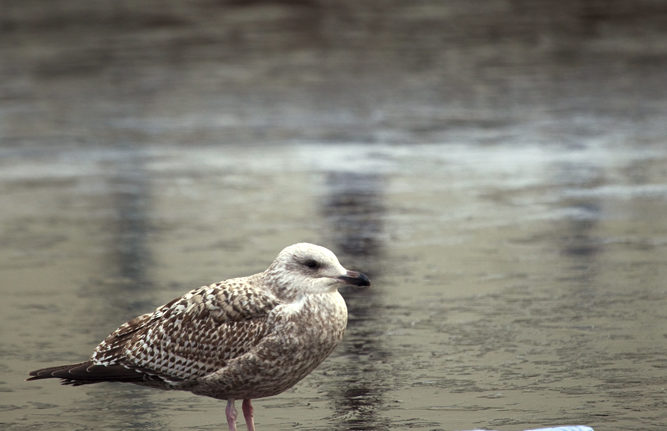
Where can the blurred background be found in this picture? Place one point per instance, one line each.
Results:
(498, 167)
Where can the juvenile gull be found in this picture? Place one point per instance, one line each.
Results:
(242, 338)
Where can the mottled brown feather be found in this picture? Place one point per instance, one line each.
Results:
(190, 336)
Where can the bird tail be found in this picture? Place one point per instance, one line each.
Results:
(85, 373)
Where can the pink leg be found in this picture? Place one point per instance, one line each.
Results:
(247, 414)
(231, 415)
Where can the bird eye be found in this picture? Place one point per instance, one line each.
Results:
(312, 264)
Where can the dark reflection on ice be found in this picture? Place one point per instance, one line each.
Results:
(353, 208)
(577, 231)
(124, 294)
(130, 194)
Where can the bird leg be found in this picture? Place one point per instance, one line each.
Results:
(247, 414)
(231, 414)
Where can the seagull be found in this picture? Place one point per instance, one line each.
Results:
(239, 339)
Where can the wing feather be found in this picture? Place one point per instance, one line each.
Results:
(193, 335)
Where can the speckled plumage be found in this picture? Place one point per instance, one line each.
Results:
(241, 338)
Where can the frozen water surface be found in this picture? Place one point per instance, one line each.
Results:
(498, 169)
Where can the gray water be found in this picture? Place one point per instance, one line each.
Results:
(498, 168)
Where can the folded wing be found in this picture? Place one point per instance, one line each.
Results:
(187, 338)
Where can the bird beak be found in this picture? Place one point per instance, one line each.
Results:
(355, 278)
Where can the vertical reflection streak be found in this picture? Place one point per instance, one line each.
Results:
(576, 238)
(353, 209)
(128, 185)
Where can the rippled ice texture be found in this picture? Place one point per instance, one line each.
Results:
(499, 169)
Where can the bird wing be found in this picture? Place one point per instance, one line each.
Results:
(191, 336)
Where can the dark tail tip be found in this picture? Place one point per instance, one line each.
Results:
(59, 372)
(86, 372)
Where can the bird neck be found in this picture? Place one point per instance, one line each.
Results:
(286, 288)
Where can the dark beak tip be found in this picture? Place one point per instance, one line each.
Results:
(356, 279)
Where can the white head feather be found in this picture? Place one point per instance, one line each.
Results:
(303, 268)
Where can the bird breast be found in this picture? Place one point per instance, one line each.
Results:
(317, 321)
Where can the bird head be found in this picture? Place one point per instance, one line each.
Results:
(305, 268)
